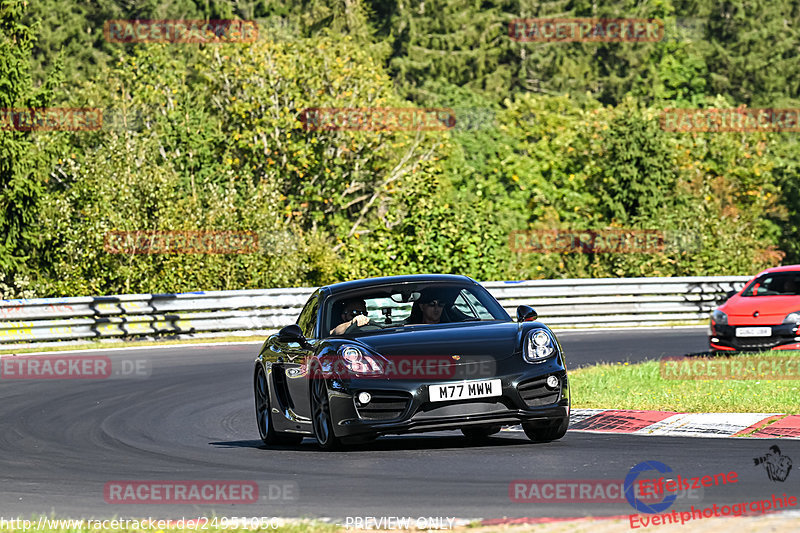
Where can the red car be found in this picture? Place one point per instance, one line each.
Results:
(764, 315)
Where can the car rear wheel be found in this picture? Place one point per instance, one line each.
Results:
(480, 433)
(266, 430)
(321, 413)
(538, 433)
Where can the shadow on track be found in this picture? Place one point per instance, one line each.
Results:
(394, 443)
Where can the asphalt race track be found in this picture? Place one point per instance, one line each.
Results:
(192, 418)
(583, 348)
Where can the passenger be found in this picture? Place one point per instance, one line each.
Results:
(354, 313)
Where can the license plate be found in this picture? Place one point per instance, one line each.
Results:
(465, 390)
(753, 332)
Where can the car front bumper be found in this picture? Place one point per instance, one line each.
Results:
(783, 337)
(404, 406)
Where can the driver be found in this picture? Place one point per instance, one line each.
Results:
(354, 313)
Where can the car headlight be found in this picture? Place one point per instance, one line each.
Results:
(358, 362)
(792, 318)
(538, 345)
(719, 318)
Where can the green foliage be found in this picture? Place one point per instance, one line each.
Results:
(634, 178)
(74, 30)
(224, 148)
(22, 162)
(784, 149)
(753, 51)
(547, 135)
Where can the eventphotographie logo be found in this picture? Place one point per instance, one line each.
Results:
(666, 487)
(586, 30)
(639, 503)
(180, 31)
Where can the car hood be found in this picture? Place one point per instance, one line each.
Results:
(770, 310)
(469, 340)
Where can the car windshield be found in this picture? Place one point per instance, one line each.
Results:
(399, 306)
(778, 284)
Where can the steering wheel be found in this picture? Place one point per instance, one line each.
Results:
(369, 326)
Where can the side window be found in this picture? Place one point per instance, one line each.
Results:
(308, 317)
(462, 305)
(483, 313)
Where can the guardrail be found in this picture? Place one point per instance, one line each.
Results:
(617, 301)
(560, 303)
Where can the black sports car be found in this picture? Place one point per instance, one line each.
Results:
(407, 354)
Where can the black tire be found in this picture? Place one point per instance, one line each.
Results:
(478, 434)
(321, 413)
(538, 433)
(266, 430)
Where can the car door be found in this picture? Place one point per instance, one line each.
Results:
(296, 357)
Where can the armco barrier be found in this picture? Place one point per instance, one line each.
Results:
(560, 303)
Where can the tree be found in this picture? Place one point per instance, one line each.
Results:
(21, 160)
(752, 51)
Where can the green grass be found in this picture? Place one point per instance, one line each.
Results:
(642, 387)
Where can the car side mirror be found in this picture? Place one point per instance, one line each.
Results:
(526, 314)
(292, 333)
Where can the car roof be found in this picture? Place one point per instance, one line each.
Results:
(785, 268)
(411, 278)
